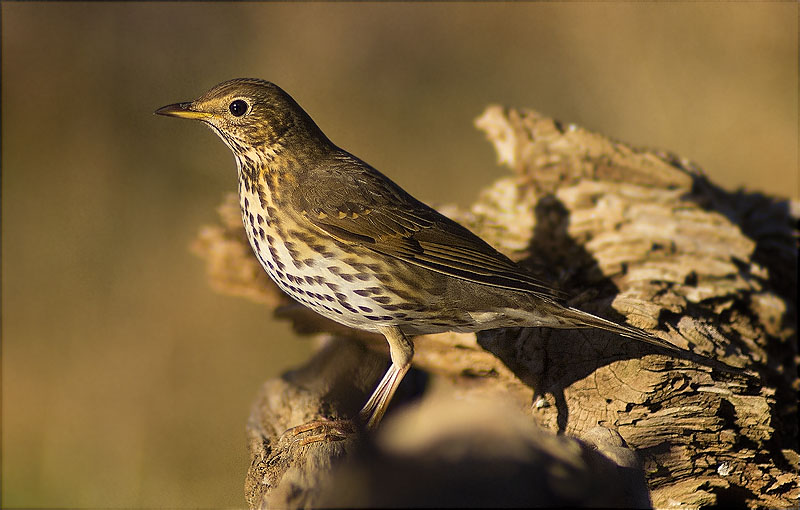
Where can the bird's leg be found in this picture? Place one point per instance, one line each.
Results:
(401, 350)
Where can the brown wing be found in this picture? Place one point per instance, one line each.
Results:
(354, 203)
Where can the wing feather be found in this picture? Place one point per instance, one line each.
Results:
(390, 221)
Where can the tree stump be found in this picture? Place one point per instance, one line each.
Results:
(537, 417)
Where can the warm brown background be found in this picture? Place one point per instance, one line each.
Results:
(126, 380)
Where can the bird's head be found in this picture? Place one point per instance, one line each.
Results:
(251, 114)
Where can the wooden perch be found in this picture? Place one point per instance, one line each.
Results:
(634, 235)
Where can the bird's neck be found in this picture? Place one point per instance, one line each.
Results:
(275, 165)
(269, 174)
(254, 165)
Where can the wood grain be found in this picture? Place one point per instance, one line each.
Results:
(579, 418)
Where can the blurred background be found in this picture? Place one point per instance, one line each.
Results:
(126, 381)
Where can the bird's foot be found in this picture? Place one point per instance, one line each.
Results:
(321, 431)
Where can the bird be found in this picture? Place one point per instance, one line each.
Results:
(341, 238)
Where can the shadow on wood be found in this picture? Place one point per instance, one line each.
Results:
(634, 235)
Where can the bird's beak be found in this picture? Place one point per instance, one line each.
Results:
(182, 110)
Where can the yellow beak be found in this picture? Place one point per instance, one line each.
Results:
(183, 111)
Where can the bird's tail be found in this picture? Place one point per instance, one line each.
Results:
(563, 317)
(581, 319)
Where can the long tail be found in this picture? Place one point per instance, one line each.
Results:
(572, 318)
(587, 320)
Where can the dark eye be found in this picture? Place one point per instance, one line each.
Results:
(238, 108)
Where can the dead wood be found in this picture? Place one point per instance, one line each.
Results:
(635, 235)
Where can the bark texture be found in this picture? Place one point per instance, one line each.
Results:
(541, 417)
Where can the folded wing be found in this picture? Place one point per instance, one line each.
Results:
(363, 207)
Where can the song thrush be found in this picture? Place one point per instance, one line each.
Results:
(341, 238)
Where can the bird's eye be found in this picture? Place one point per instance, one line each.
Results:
(238, 108)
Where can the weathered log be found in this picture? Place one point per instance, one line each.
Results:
(635, 235)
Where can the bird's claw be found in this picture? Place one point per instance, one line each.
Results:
(324, 430)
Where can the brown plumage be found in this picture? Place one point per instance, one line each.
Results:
(343, 239)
